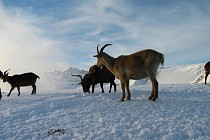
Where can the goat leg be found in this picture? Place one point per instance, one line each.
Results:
(154, 94)
(123, 91)
(128, 90)
(93, 87)
(102, 87)
(33, 90)
(10, 91)
(110, 87)
(18, 91)
(114, 86)
(206, 78)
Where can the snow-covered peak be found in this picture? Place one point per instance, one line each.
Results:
(181, 74)
(66, 76)
(171, 75)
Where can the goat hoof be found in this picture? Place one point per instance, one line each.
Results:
(122, 99)
(128, 98)
(150, 98)
(153, 99)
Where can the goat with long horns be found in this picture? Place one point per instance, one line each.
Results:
(135, 66)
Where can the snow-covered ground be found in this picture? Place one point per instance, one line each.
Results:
(181, 112)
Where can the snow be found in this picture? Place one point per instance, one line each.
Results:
(181, 112)
(181, 74)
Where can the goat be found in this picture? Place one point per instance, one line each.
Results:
(96, 76)
(0, 94)
(25, 79)
(135, 66)
(1, 74)
(207, 70)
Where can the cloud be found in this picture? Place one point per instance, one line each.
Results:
(51, 35)
(24, 44)
(168, 28)
(59, 38)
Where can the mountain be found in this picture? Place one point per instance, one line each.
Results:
(66, 76)
(64, 79)
(168, 75)
(181, 74)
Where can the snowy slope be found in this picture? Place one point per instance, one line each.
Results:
(181, 112)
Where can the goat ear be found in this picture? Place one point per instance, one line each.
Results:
(95, 56)
(93, 71)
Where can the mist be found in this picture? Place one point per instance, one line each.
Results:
(26, 47)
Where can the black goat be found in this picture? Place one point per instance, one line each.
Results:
(95, 76)
(207, 70)
(25, 79)
(0, 94)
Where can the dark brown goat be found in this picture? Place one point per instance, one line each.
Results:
(207, 71)
(17, 81)
(95, 76)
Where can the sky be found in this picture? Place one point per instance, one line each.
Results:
(48, 35)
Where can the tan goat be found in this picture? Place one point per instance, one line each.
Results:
(136, 66)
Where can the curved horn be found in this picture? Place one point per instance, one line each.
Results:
(6, 71)
(80, 76)
(97, 49)
(102, 49)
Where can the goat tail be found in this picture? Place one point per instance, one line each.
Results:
(38, 77)
(162, 58)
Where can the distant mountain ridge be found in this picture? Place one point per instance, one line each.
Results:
(65, 75)
(64, 79)
(173, 75)
(181, 74)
